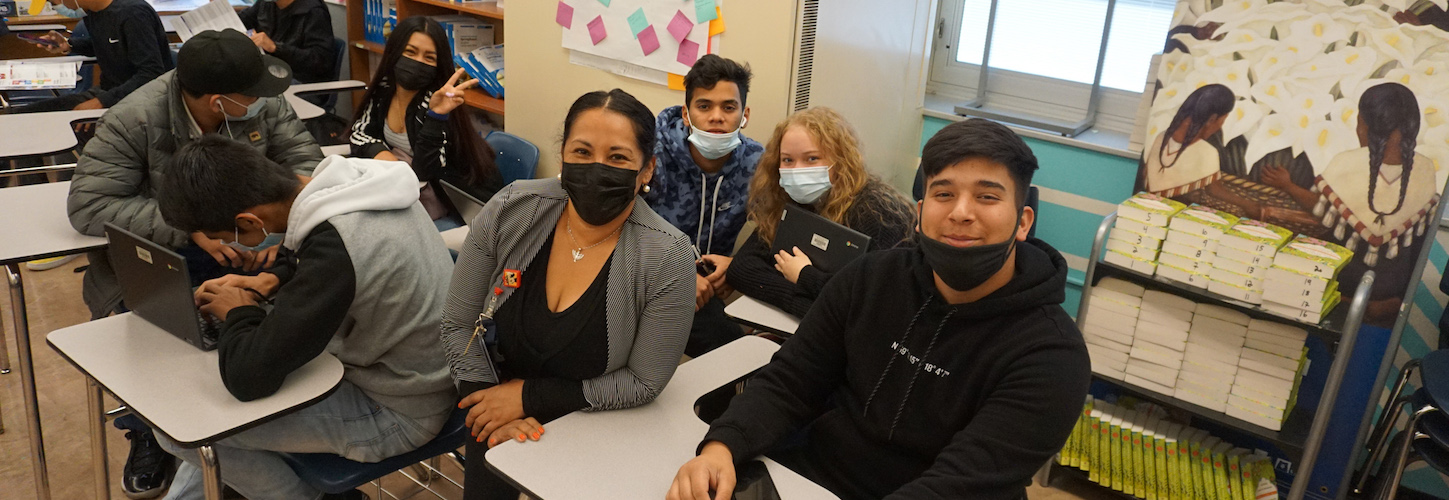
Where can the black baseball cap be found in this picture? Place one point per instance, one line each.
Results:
(227, 62)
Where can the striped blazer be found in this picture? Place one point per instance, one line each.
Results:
(650, 302)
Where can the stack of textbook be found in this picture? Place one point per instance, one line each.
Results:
(1138, 452)
(1242, 258)
(1159, 341)
(1214, 347)
(1192, 238)
(1269, 372)
(1138, 233)
(1111, 320)
(1302, 284)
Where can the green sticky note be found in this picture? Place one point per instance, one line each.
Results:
(704, 11)
(605, 2)
(637, 22)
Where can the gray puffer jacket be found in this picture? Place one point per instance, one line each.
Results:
(120, 169)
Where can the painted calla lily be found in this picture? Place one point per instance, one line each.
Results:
(1275, 132)
(1394, 44)
(1321, 29)
(1230, 11)
(1243, 119)
(1324, 139)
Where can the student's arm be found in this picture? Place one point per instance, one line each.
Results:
(143, 47)
(364, 144)
(753, 273)
(659, 338)
(467, 296)
(794, 388)
(259, 349)
(430, 152)
(110, 185)
(314, 49)
(1025, 420)
(885, 227)
(289, 142)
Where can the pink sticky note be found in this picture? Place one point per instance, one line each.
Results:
(565, 16)
(688, 52)
(596, 30)
(648, 40)
(679, 26)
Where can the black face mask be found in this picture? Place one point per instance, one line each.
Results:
(413, 75)
(599, 192)
(965, 268)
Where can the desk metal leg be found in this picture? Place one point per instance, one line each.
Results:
(210, 472)
(99, 462)
(27, 380)
(4, 350)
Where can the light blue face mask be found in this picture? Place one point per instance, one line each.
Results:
(271, 240)
(75, 13)
(805, 185)
(715, 146)
(252, 111)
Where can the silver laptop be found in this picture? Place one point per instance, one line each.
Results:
(467, 205)
(157, 287)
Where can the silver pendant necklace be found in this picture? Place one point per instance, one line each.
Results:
(578, 251)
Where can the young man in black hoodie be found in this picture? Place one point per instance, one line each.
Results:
(298, 32)
(948, 370)
(129, 44)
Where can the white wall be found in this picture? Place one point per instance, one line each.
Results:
(542, 83)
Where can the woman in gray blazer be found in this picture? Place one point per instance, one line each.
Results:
(570, 293)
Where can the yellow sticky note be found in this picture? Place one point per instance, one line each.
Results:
(36, 6)
(676, 82)
(716, 25)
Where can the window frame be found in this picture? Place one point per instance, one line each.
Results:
(1007, 90)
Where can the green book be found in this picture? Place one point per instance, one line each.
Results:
(1089, 455)
(1235, 474)
(1124, 445)
(1220, 470)
(1205, 467)
(1151, 442)
(1135, 447)
(1167, 462)
(1114, 465)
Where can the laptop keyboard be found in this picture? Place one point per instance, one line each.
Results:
(210, 328)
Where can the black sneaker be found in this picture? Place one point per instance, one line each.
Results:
(148, 468)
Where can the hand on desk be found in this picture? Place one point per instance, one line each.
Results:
(494, 407)
(713, 469)
(218, 300)
(93, 103)
(519, 430)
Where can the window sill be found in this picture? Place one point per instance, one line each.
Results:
(1094, 139)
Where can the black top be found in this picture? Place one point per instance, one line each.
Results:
(129, 45)
(554, 352)
(905, 396)
(878, 212)
(302, 33)
(437, 155)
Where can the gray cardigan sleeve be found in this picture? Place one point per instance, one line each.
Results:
(468, 294)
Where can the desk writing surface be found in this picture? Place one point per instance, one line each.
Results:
(176, 386)
(634, 453)
(749, 310)
(35, 224)
(36, 134)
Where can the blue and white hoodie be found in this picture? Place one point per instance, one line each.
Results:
(708, 208)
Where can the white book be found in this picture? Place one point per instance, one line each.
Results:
(1245, 269)
(1209, 388)
(1162, 338)
(1107, 372)
(1170, 246)
(1169, 320)
(1265, 384)
(1130, 250)
(1235, 279)
(1200, 399)
(1099, 315)
(1105, 293)
(1196, 362)
(1157, 232)
(1157, 355)
(1191, 240)
(1234, 292)
(1252, 417)
(1279, 329)
(1198, 266)
(1146, 267)
(1209, 324)
(1147, 384)
(1235, 255)
(1216, 352)
(1221, 313)
(1294, 313)
(1182, 276)
(1271, 360)
(1294, 283)
(1115, 339)
(1152, 371)
(1109, 365)
(1106, 344)
(1108, 354)
(1160, 298)
(1269, 338)
(1275, 349)
(217, 15)
(1269, 400)
(1266, 369)
(1121, 286)
(1135, 238)
(1113, 306)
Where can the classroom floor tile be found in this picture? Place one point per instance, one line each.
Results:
(54, 302)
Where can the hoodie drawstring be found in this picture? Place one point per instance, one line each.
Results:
(895, 353)
(916, 373)
(699, 233)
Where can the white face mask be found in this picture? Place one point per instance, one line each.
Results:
(805, 185)
(715, 146)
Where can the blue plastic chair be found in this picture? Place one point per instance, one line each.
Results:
(517, 158)
(1426, 435)
(335, 475)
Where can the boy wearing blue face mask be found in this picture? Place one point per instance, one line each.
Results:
(222, 85)
(702, 182)
(948, 370)
(128, 42)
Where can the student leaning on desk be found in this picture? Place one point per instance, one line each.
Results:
(128, 42)
(948, 370)
(367, 285)
(222, 84)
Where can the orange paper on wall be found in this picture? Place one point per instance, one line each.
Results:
(716, 25)
(676, 82)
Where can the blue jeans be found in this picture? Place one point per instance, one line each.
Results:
(347, 423)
